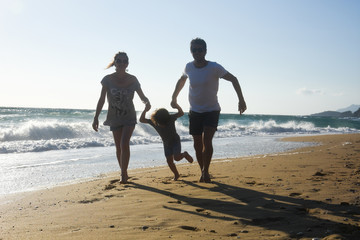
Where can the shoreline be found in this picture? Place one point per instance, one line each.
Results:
(310, 192)
(57, 168)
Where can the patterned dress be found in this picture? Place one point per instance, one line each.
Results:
(121, 110)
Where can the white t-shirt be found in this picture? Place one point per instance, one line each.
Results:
(204, 85)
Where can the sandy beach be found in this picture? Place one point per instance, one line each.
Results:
(308, 193)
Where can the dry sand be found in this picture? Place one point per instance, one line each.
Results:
(309, 193)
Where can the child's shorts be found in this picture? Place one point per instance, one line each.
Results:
(172, 149)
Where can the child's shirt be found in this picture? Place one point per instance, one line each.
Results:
(167, 133)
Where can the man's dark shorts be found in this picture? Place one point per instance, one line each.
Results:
(198, 121)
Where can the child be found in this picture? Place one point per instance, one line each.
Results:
(164, 124)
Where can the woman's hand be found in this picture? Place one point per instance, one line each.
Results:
(95, 124)
(147, 107)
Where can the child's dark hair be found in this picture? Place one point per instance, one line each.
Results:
(160, 117)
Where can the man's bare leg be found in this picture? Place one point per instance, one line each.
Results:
(207, 152)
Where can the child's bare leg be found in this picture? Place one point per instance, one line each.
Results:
(188, 157)
(171, 164)
(185, 155)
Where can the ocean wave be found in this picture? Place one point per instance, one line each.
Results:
(48, 145)
(38, 130)
(36, 134)
(271, 127)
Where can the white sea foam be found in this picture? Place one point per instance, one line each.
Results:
(37, 135)
(35, 170)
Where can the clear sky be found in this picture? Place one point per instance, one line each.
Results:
(291, 57)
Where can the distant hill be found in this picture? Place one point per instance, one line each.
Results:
(349, 112)
(353, 108)
(333, 114)
(357, 113)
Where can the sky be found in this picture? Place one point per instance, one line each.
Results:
(291, 57)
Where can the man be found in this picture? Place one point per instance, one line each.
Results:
(204, 112)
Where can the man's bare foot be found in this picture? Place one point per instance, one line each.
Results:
(201, 179)
(205, 177)
(188, 157)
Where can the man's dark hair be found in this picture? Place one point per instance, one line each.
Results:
(199, 41)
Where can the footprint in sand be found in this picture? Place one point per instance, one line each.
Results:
(251, 183)
(294, 194)
(109, 187)
(189, 228)
(109, 196)
(114, 181)
(89, 201)
(261, 221)
(166, 182)
(111, 184)
(319, 174)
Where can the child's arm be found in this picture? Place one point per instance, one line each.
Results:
(180, 112)
(143, 119)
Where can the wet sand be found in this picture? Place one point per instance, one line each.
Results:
(308, 193)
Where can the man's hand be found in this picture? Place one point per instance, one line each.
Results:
(242, 107)
(173, 104)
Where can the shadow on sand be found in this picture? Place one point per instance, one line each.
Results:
(296, 217)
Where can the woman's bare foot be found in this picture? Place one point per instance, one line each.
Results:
(124, 178)
(176, 177)
(188, 157)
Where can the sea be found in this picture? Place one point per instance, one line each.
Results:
(41, 148)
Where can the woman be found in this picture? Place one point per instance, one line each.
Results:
(119, 87)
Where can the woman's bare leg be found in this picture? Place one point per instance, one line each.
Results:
(122, 142)
(117, 139)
